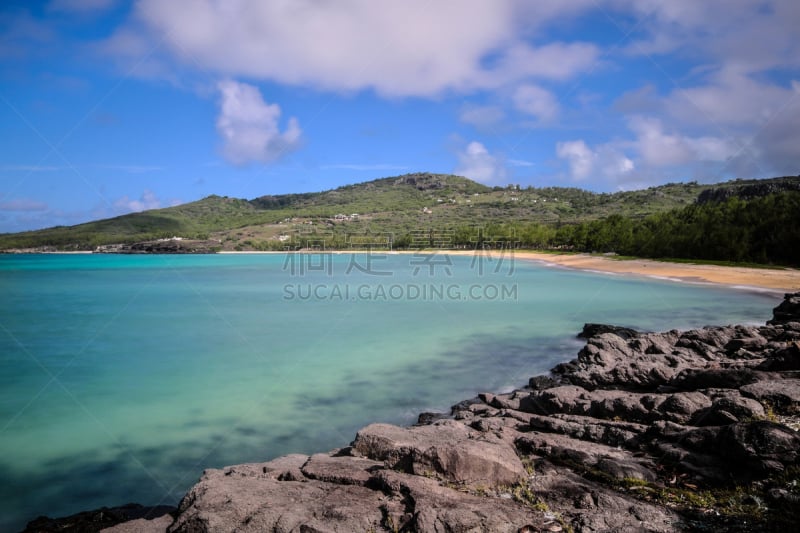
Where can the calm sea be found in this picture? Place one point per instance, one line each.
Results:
(123, 377)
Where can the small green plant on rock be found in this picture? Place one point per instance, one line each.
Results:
(527, 462)
(522, 493)
(769, 412)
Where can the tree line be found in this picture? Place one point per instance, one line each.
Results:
(762, 230)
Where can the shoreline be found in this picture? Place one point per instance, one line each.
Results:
(777, 280)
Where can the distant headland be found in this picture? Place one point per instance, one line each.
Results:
(740, 221)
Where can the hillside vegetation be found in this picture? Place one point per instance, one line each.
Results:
(763, 230)
(742, 220)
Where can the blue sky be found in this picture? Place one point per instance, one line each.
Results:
(108, 107)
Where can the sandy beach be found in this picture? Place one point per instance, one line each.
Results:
(779, 279)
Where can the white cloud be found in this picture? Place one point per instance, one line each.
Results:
(136, 53)
(476, 163)
(752, 36)
(642, 100)
(711, 148)
(604, 161)
(731, 98)
(734, 105)
(656, 154)
(410, 48)
(554, 61)
(537, 102)
(736, 99)
(148, 200)
(615, 164)
(656, 147)
(249, 126)
(744, 123)
(659, 148)
(579, 156)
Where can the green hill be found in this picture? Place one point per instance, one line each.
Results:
(403, 206)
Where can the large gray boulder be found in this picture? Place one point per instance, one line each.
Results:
(224, 503)
(432, 507)
(446, 449)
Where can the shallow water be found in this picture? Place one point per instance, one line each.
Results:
(123, 377)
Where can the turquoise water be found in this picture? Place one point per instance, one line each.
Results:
(123, 377)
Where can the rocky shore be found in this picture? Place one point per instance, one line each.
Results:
(674, 431)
